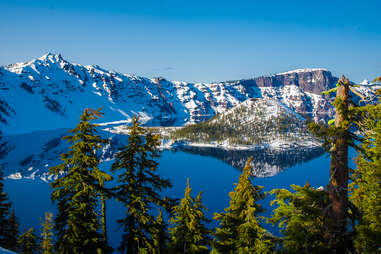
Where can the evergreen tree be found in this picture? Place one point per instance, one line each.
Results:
(337, 139)
(47, 234)
(300, 218)
(160, 236)
(13, 232)
(77, 192)
(139, 189)
(5, 211)
(239, 230)
(8, 220)
(28, 242)
(366, 181)
(189, 234)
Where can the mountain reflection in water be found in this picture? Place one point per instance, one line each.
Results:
(30, 155)
(266, 161)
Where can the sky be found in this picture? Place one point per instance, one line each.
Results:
(198, 41)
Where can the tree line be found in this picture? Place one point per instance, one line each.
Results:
(343, 217)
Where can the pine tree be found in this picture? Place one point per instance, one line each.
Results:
(189, 233)
(239, 230)
(28, 242)
(366, 181)
(139, 189)
(8, 220)
(300, 217)
(160, 235)
(5, 210)
(337, 139)
(13, 232)
(77, 192)
(47, 234)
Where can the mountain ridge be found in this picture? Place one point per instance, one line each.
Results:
(50, 93)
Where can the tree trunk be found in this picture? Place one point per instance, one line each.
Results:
(338, 183)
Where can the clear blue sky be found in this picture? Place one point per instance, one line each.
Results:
(198, 40)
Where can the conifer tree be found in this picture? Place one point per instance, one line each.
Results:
(139, 189)
(77, 192)
(160, 235)
(13, 232)
(337, 139)
(189, 233)
(8, 220)
(300, 218)
(239, 230)
(5, 210)
(28, 242)
(366, 181)
(47, 234)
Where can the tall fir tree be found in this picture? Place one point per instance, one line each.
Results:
(47, 234)
(189, 233)
(8, 220)
(300, 217)
(77, 192)
(13, 232)
(139, 188)
(160, 235)
(338, 137)
(365, 189)
(239, 230)
(28, 242)
(5, 211)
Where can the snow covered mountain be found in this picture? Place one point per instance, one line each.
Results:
(254, 123)
(50, 93)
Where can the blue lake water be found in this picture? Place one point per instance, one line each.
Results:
(31, 198)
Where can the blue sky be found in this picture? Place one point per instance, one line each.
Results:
(198, 40)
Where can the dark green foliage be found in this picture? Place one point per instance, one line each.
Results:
(47, 234)
(8, 220)
(160, 236)
(77, 192)
(189, 233)
(28, 242)
(300, 217)
(239, 230)
(139, 189)
(366, 181)
(13, 232)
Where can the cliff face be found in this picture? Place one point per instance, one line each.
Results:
(309, 80)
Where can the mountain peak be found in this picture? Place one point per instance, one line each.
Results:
(51, 57)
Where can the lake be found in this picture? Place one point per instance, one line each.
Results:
(210, 171)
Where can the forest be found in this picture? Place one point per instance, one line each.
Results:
(342, 217)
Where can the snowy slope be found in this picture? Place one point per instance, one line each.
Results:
(254, 123)
(50, 93)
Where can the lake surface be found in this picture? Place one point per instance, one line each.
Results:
(27, 158)
(31, 198)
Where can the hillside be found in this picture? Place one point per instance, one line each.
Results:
(251, 123)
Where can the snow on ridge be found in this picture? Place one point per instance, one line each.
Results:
(50, 57)
(59, 90)
(301, 70)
